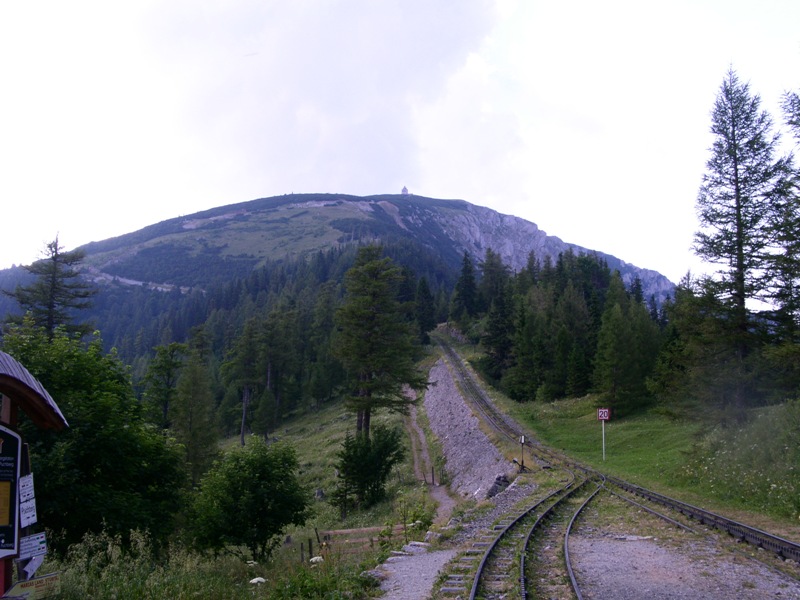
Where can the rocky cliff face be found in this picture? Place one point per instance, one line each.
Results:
(475, 228)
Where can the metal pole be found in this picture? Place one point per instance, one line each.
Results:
(604, 439)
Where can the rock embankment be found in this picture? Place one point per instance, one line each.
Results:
(473, 462)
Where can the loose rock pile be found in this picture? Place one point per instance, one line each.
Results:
(474, 464)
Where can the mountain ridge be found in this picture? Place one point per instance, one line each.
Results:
(236, 238)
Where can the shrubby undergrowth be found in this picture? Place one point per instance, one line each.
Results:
(102, 566)
(755, 464)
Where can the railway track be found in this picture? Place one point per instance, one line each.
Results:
(508, 564)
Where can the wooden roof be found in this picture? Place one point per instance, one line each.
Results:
(23, 388)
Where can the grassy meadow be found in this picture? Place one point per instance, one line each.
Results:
(748, 472)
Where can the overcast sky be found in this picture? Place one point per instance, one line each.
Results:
(589, 118)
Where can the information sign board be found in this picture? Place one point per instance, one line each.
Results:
(27, 513)
(10, 448)
(603, 414)
(36, 588)
(26, 488)
(32, 545)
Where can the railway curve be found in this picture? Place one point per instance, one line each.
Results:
(547, 458)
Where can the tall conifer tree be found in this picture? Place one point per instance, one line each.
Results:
(737, 200)
(57, 292)
(464, 305)
(375, 342)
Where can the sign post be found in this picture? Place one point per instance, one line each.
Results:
(522, 453)
(603, 415)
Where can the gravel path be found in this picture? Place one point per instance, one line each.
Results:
(622, 569)
(411, 576)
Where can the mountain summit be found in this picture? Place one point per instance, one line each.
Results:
(208, 246)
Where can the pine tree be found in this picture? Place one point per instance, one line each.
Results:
(375, 342)
(193, 416)
(241, 370)
(57, 292)
(161, 381)
(425, 310)
(464, 305)
(783, 272)
(498, 337)
(737, 200)
(627, 347)
(494, 279)
(612, 367)
(791, 109)
(326, 372)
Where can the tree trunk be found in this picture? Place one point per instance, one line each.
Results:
(367, 417)
(245, 402)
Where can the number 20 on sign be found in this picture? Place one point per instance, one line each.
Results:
(603, 415)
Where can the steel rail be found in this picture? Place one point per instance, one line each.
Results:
(650, 510)
(575, 587)
(491, 548)
(539, 521)
(784, 548)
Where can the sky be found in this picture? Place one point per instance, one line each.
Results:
(590, 119)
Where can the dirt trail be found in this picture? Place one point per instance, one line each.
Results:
(423, 470)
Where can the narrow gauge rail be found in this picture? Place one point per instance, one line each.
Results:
(488, 566)
(496, 561)
(784, 548)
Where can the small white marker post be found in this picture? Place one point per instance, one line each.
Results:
(522, 453)
(603, 415)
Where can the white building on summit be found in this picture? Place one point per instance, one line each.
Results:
(405, 191)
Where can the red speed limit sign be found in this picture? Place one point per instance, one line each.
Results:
(603, 414)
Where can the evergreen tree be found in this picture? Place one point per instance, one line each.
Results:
(497, 339)
(698, 369)
(573, 323)
(57, 292)
(612, 363)
(791, 109)
(161, 381)
(737, 200)
(464, 305)
(326, 372)
(494, 279)
(363, 467)
(193, 416)
(375, 342)
(425, 310)
(627, 348)
(241, 371)
(783, 267)
(521, 379)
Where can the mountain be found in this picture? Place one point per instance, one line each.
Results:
(213, 246)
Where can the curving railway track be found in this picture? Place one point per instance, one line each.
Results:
(536, 539)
